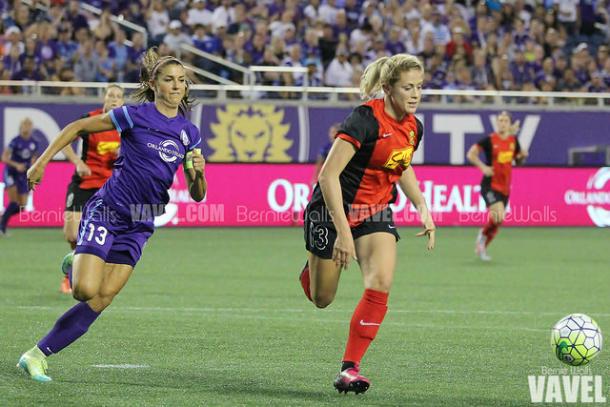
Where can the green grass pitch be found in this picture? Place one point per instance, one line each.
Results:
(217, 317)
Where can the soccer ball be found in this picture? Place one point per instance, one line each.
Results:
(576, 339)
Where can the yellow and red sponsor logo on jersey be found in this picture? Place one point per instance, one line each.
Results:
(400, 157)
(505, 157)
(106, 147)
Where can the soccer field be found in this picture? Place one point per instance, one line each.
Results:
(217, 317)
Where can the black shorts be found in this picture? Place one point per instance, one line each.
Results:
(76, 197)
(491, 196)
(320, 232)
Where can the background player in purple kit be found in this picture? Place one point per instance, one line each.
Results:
(18, 156)
(332, 132)
(117, 221)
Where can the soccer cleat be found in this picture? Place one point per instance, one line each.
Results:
(351, 380)
(66, 269)
(65, 287)
(34, 363)
(480, 249)
(66, 263)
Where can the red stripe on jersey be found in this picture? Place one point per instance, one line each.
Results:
(349, 139)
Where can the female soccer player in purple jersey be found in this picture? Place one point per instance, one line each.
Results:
(17, 157)
(118, 220)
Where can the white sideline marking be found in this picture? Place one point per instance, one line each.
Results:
(124, 366)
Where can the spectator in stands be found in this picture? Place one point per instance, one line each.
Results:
(601, 56)
(312, 11)
(56, 15)
(86, 64)
(198, 14)
(104, 29)
(430, 29)
(482, 75)
(442, 35)
(11, 63)
(597, 83)
(569, 82)
(327, 44)
(339, 71)
(74, 16)
(395, 44)
(13, 37)
(46, 47)
(29, 72)
(30, 50)
(458, 46)
(20, 17)
(119, 52)
(175, 37)
(256, 49)
(220, 16)
(106, 66)
(157, 20)
(239, 21)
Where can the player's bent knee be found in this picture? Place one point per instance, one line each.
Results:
(84, 291)
(322, 300)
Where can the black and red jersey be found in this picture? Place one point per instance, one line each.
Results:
(99, 152)
(499, 154)
(384, 150)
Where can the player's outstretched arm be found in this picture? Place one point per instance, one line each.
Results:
(66, 136)
(408, 184)
(340, 154)
(473, 158)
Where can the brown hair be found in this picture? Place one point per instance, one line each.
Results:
(152, 64)
(386, 71)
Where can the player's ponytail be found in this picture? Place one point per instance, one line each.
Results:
(152, 65)
(386, 71)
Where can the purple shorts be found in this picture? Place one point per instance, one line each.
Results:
(14, 178)
(113, 237)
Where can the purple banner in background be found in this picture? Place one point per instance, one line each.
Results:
(261, 132)
(449, 134)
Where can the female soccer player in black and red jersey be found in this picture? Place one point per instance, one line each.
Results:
(501, 149)
(349, 216)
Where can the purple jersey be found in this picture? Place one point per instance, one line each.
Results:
(22, 150)
(153, 147)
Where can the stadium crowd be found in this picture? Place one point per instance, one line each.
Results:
(551, 45)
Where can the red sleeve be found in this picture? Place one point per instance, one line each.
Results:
(349, 139)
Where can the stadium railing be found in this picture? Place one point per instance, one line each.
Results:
(329, 96)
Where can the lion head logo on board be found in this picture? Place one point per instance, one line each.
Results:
(250, 133)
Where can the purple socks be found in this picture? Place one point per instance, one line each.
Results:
(68, 328)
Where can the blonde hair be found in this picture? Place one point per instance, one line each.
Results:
(386, 71)
(152, 64)
(114, 85)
